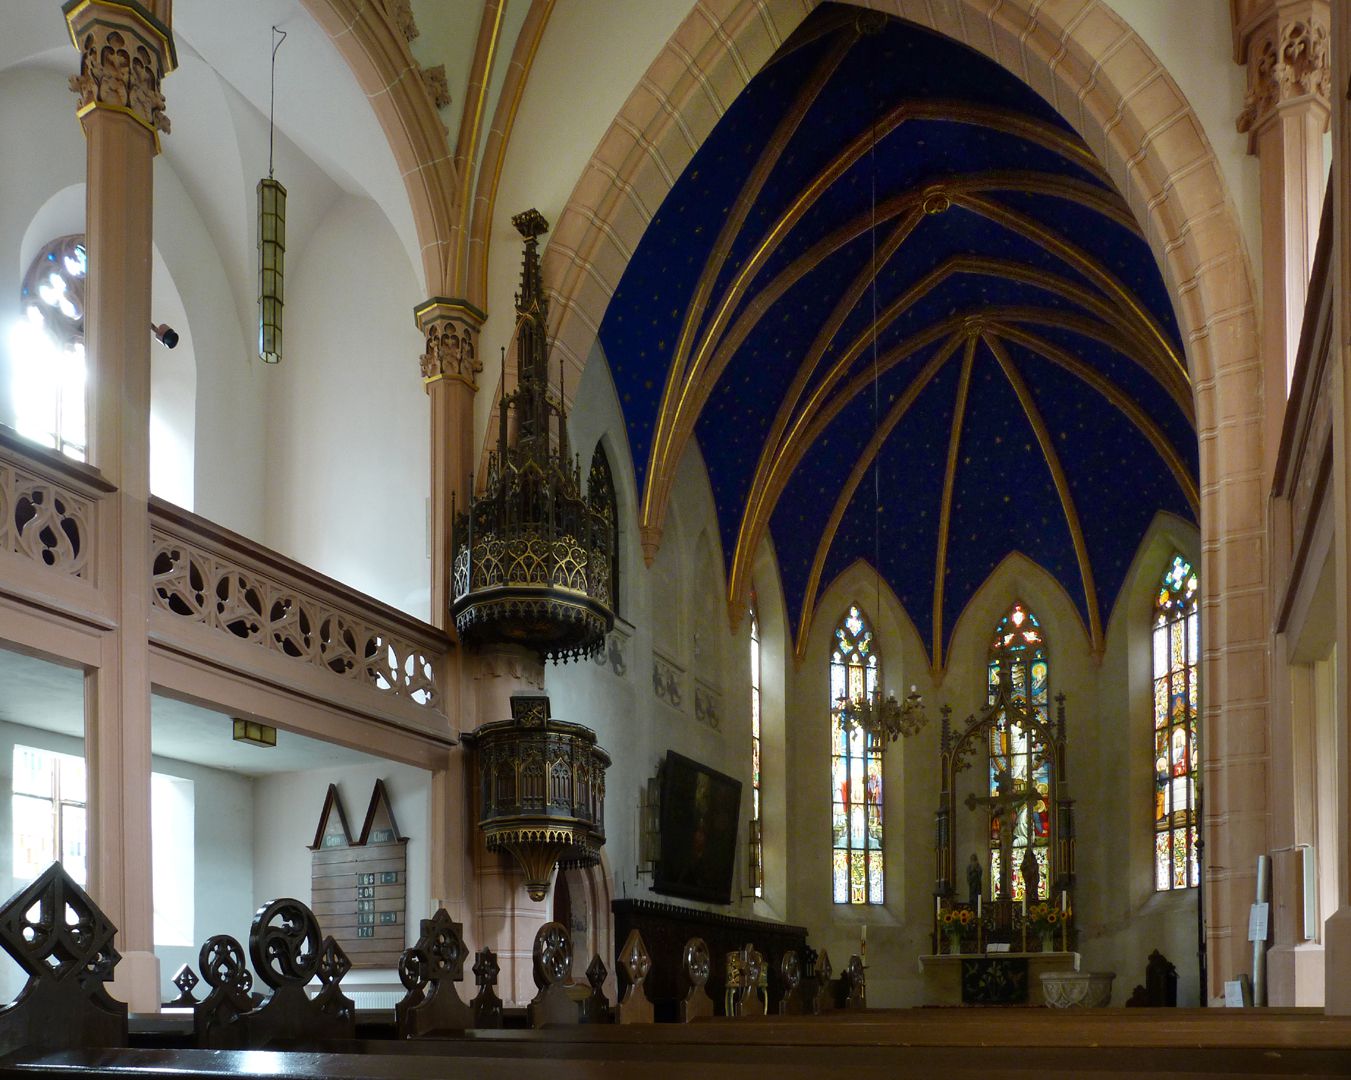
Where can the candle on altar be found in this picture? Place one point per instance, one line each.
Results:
(938, 907)
(1064, 901)
(978, 903)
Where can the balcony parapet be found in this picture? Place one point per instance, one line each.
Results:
(48, 504)
(51, 546)
(227, 599)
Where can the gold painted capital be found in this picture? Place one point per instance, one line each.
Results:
(1285, 46)
(451, 328)
(125, 52)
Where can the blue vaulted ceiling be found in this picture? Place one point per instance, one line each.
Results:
(1025, 389)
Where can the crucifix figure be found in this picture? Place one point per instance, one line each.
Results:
(1004, 807)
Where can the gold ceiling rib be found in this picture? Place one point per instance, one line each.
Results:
(802, 437)
(467, 144)
(1087, 265)
(992, 266)
(990, 326)
(945, 507)
(1123, 402)
(897, 412)
(669, 428)
(807, 33)
(781, 455)
(1086, 327)
(820, 411)
(763, 300)
(698, 394)
(1062, 487)
(846, 304)
(731, 229)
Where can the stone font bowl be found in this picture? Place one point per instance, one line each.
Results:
(1077, 989)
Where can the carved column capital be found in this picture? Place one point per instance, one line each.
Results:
(125, 52)
(451, 328)
(1285, 46)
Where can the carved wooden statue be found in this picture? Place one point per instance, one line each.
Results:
(635, 962)
(429, 971)
(64, 943)
(697, 965)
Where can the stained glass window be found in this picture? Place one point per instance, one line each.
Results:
(856, 769)
(1177, 626)
(757, 828)
(1020, 777)
(47, 344)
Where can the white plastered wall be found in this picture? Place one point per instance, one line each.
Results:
(286, 814)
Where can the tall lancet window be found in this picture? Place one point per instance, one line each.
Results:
(757, 848)
(1020, 778)
(856, 768)
(600, 491)
(47, 345)
(1177, 626)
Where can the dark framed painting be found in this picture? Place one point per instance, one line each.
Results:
(700, 815)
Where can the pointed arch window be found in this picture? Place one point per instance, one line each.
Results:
(47, 346)
(1017, 767)
(856, 768)
(1177, 626)
(600, 489)
(757, 850)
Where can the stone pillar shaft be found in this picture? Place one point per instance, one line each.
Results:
(124, 55)
(1284, 44)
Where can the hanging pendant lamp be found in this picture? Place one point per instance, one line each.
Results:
(271, 238)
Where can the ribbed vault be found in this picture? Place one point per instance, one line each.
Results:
(1027, 389)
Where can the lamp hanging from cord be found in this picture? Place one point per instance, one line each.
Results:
(271, 237)
(883, 719)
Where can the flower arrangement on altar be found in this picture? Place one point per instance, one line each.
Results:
(1042, 917)
(955, 922)
(1048, 920)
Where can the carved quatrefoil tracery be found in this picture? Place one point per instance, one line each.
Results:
(195, 585)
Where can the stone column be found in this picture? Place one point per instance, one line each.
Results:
(1337, 924)
(125, 51)
(507, 919)
(1284, 44)
(450, 367)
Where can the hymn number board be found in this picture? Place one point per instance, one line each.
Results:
(359, 888)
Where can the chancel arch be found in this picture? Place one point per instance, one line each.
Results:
(1058, 53)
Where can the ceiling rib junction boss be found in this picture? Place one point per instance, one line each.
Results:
(1032, 393)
